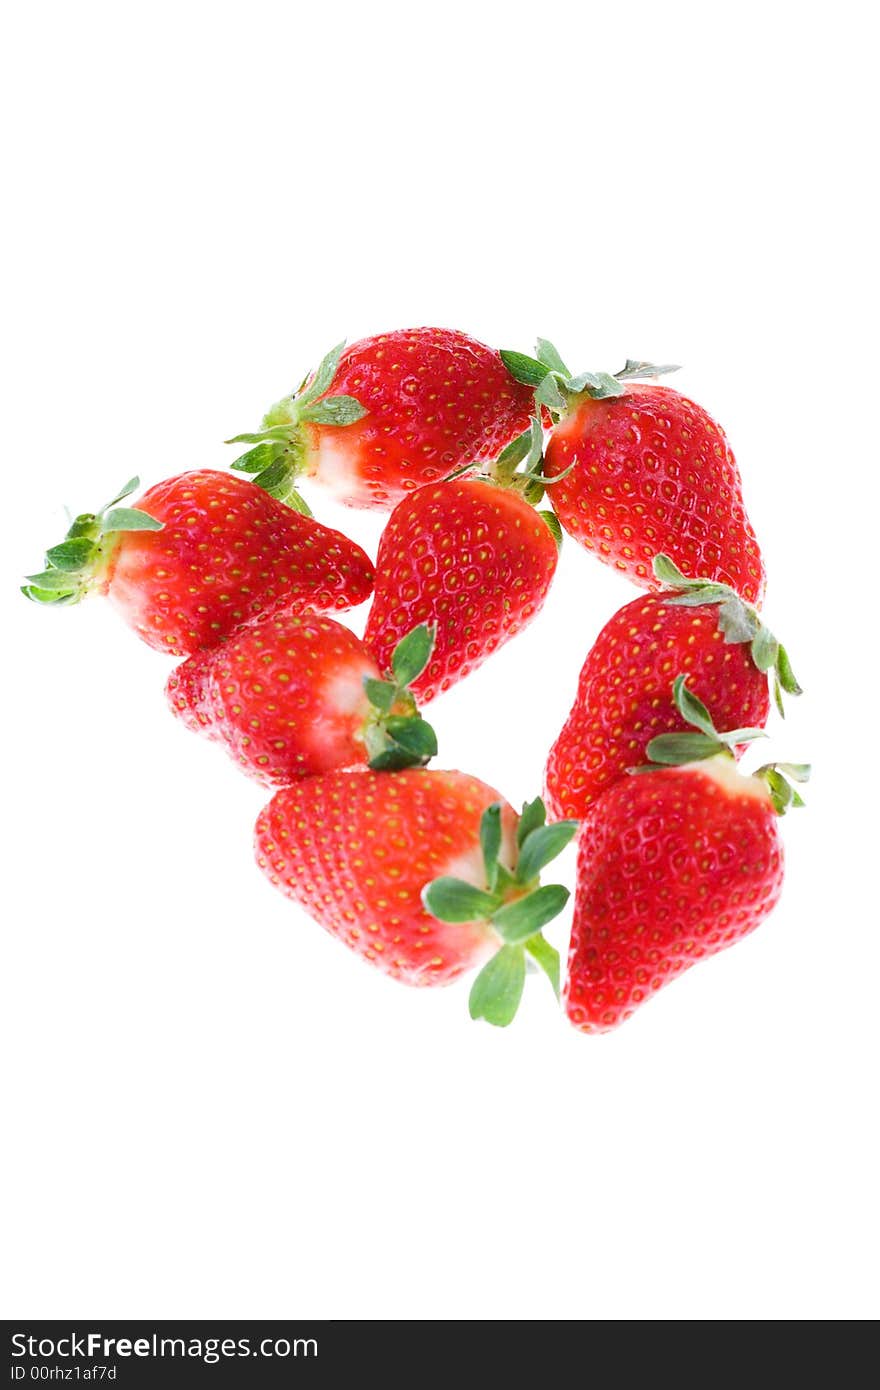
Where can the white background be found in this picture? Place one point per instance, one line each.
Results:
(213, 1109)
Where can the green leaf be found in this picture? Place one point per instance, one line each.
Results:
(519, 920)
(323, 378)
(490, 842)
(453, 900)
(412, 654)
(599, 385)
(777, 695)
(535, 456)
(534, 813)
(414, 735)
(547, 957)
(291, 498)
(798, 772)
(674, 749)
(255, 460)
(547, 354)
(691, 708)
(747, 735)
(667, 572)
(381, 694)
(131, 486)
(130, 519)
(276, 478)
(635, 369)
(52, 581)
(71, 555)
(737, 621)
(548, 393)
(543, 845)
(523, 368)
(509, 459)
(334, 410)
(37, 595)
(781, 791)
(551, 521)
(700, 594)
(391, 758)
(497, 990)
(282, 433)
(765, 649)
(787, 678)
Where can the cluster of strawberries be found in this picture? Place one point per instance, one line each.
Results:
(427, 873)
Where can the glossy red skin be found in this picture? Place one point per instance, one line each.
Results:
(653, 473)
(624, 696)
(436, 399)
(469, 556)
(283, 695)
(672, 868)
(227, 552)
(355, 850)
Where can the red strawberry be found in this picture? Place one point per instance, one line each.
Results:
(361, 851)
(388, 415)
(642, 469)
(200, 554)
(624, 697)
(471, 557)
(290, 695)
(673, 866)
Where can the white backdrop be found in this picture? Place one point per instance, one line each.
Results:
(215, 1110)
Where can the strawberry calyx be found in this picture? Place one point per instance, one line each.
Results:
(738, 621)
(677, 750)
(394, 733)
(559, 391)
(513, 903)
(279, 455)
(672, 750)
(79, 563)
(779, 778)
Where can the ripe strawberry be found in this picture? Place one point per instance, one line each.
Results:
(388, 415)
(637, 469)
(200, 554)
(469, 556)
(673, 866)
(363, 851)
(624, 697)
(290, 695)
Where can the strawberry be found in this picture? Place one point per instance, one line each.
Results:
(198, 555)
(673, 866)
(469, 556)
(388, 415)
(423, 873)
(637, 469)
(289, 695)
(624, 698)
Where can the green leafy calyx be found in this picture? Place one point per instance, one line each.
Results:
(77, 563)
(738, 621)
(673, 750)
(278, 455)
(513, 902)
(556, 388)
(395, 734)
(780, 780)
